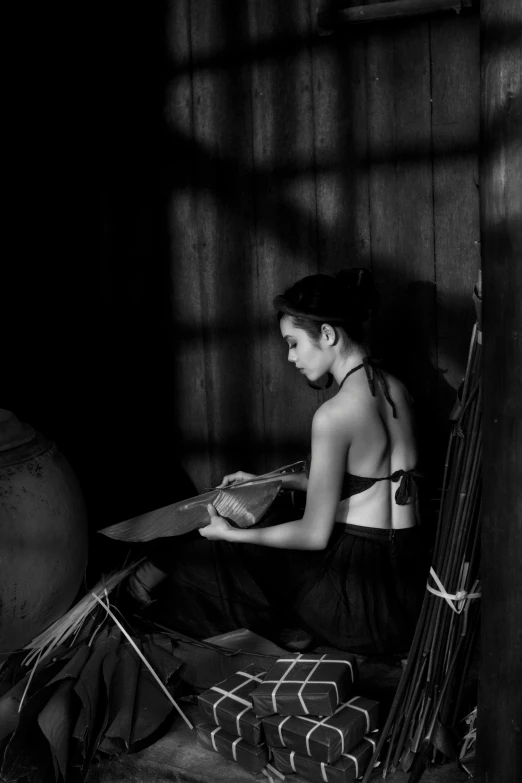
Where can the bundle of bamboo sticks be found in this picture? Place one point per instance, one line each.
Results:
(421, 725)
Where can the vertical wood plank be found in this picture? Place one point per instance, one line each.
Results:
(285, 205)
(500, 705)
(341, 153)
(455, 130)
(223, 138)
(339, 113)
(188, 318)
(401, 209)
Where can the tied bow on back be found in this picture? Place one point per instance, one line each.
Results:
(408, 479)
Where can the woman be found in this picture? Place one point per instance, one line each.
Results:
(351, 571)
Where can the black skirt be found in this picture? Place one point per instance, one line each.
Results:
(362, 594)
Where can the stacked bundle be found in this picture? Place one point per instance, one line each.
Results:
(231, 727)
(303, 712)
(313, 723)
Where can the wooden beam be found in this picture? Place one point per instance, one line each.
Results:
(395, 9)
(499, 737)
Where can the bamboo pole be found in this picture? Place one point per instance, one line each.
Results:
(440, 653)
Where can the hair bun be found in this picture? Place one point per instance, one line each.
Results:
(358, 287)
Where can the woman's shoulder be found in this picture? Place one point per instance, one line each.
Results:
(354, 409)
(338, 411)
(333, 425)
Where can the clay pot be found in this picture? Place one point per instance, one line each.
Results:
(43, 533)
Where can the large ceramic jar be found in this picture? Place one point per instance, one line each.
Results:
(43, 533)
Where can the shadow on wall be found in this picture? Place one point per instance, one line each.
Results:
(431, 368)
(92, 359)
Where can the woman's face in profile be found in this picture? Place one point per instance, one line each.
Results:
(308, 356)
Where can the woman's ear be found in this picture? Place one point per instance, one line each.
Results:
(329, 334)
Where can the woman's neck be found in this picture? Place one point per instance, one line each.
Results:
(347, 363)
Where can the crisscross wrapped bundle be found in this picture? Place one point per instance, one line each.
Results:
(324, 739)
(346, 769)
(253, 758)
(228, 704)
(306, 684)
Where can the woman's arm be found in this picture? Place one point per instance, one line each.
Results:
(330, 444)
(295, 481)
(289, 481)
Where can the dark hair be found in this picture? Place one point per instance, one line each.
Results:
(344, 300)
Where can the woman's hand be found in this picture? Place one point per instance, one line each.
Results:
(218, 527)
(235, 478)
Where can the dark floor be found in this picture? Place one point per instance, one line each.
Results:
(177, 757)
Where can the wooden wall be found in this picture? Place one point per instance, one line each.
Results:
(190, 161)
(304, 154)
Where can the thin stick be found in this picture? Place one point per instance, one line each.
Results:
(275, 771)
(390, 749)
(145, 661)
(272, 474)
(33, 670)
(410, 713)
(398, 694)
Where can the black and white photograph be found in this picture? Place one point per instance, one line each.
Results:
(261, 392)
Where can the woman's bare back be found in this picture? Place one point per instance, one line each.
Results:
(379, 445)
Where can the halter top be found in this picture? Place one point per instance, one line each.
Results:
(352, 484)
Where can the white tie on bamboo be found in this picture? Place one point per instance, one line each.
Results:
(461, 597)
